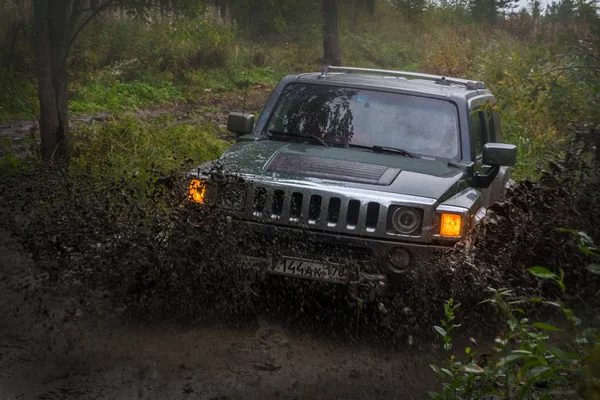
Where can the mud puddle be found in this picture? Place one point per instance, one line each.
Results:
(53, 347)
(209, 363)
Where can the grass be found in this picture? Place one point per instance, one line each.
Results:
(140, 152)
(231, 80)
(136, 145)
(122, 96)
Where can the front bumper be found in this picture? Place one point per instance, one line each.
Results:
(369, 270)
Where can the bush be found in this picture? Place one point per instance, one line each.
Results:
(531, 360)
(136, 149)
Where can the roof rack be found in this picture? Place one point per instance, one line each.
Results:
(442, 80)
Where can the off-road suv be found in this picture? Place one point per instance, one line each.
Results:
(356, 175)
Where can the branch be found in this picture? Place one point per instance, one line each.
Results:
(28, 108)
(586, 50)
(583, 55)
(16, 30)
(95, 12)
(73, 16)
(563, 69)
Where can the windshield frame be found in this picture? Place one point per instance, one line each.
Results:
(263, 133)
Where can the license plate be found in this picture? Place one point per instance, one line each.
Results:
(309, 270)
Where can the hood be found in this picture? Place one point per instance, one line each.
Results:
(385, 172)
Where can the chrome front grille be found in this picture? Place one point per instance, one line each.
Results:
(322, 209)
(332, 208)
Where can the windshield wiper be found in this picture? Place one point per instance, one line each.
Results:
(299, 135)
(381, 149)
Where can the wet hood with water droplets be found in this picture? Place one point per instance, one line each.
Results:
(271, 160)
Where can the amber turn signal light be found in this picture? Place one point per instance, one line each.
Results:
(451, 225)
(197, 191)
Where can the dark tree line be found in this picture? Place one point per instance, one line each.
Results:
(57, 23)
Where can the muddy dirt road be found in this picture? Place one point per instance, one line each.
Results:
(56, 346)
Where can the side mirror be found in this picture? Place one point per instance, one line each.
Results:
(240, 123)
(499, 154)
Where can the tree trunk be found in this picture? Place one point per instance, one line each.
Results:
(371, 7)
(53, 39)
(331, 38)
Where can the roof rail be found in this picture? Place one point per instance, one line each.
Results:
(472, 85)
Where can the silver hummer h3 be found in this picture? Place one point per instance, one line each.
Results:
(357, 175)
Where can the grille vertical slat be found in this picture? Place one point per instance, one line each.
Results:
(324, 208)
(372, 216)
(362, 217)
(343, 213)
(305, 207)
(382, 219)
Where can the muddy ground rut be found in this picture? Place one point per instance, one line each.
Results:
(50, 348)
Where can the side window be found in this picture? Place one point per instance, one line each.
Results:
(478, 130)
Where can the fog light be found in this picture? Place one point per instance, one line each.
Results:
(197, 191)
(400, 258)
(451, 225)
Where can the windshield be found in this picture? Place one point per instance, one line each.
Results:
(345, 116)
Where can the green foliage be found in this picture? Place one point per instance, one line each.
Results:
(528, 362)
(9, 162)
(533, 104)
(134, 150)
(447, 325)
(120, 96)
(18, 96)
(228, 81)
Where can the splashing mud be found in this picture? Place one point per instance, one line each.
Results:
(107, 295)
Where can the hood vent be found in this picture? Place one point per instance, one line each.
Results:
(329, 168)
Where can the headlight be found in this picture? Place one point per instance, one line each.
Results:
(406, 220)
(451, 225)
(197, 191)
